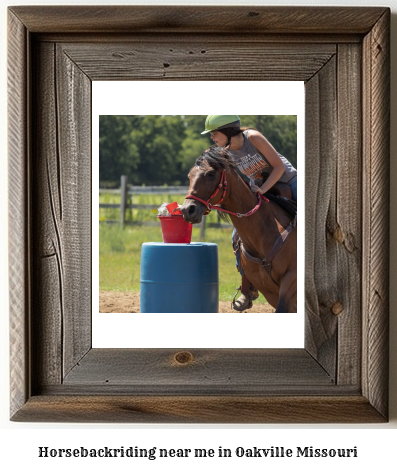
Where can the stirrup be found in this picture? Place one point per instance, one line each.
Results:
(247, 305)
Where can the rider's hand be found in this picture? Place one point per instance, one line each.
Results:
(255, 189)
(255, 186)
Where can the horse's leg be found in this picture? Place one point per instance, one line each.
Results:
(271, 298)
(288, 292)
(260, 281)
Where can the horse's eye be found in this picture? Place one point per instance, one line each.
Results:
(211, 174)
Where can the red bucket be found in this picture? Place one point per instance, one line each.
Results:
(175, 230)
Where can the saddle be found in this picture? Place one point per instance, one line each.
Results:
(281, 194)
(285, 203)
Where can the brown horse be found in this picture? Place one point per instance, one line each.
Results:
(261, 225)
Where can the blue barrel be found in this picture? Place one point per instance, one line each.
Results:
(179, 277)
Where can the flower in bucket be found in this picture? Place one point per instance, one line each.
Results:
(162, 210)
(173, 209)
(169, 209)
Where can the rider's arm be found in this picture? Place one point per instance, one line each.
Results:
(266, 149)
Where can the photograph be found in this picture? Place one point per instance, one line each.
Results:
(160, 176)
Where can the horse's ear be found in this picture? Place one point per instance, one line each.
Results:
(198, 161)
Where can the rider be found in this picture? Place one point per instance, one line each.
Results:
(255, 158)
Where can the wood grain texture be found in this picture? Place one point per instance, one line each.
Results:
(199, 409)
(341, 375)
(334, 215)
(345, 228)
(211, 59)
(62, 263)
(376, 91)
(19, 227)
(74, 125)
(322, 279)
(47, 325)
(198, 19)
(228, 370)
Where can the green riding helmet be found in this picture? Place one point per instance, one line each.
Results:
(214, 122)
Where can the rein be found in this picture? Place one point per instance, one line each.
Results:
(223, 182)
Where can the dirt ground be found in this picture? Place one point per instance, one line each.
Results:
(114, 301)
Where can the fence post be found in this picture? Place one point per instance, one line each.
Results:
(123, 198)
(202, 228)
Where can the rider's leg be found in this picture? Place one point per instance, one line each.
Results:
(294, 189)
(248, 291)
(248, 294)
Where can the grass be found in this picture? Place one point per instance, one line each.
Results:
(120, 249)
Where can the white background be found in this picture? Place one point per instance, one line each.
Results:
(227, 330)
(20, 442)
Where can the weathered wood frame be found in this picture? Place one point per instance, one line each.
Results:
(343, 56)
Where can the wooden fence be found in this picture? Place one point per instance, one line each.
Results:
(126, 192)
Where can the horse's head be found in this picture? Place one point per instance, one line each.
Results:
(205, 177)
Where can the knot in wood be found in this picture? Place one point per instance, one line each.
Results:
(337, 308)
(183, 358)
(338, 235)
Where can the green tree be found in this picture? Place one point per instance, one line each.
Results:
(159, 142)
(146, 148)
(118, 153)
(194, 143)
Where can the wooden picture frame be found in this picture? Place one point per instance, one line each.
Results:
(342, 54)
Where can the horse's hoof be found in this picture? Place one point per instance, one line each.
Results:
(243, 302)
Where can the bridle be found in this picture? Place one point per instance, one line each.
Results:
(223, 183)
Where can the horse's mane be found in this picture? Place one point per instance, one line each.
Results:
(218, 158)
